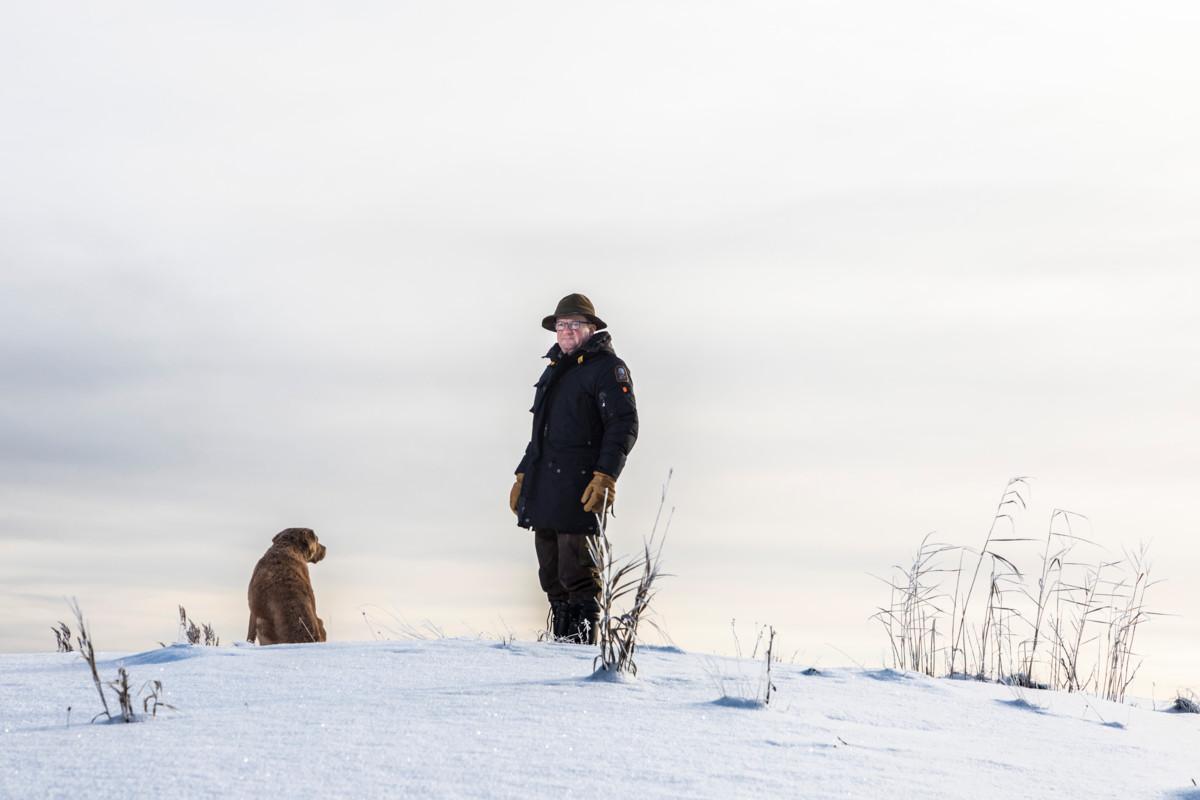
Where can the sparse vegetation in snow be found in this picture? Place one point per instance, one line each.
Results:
(1071, 625)
(195, 634)
(749, 683)
(151, 692)
(62, 636)
(634, 578)
(1186, 703)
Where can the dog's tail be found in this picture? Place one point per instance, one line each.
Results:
(253, 632)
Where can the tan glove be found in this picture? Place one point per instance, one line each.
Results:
(593, 496)
(514, 493)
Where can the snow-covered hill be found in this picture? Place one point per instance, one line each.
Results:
(473, 718)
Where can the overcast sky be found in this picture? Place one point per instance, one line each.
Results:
(283, 265)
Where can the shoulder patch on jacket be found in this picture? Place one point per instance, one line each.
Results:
(622, 374)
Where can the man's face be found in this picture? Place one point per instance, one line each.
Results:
(572, 332)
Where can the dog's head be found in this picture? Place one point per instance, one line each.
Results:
(304, 540)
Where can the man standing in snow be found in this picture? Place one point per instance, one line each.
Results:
(584, 425)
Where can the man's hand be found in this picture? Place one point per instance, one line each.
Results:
(593, 498)
(515, 492)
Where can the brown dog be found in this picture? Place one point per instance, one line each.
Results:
(283, 607)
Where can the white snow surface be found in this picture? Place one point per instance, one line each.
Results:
(473, 718)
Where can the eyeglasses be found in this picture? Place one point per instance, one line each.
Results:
(569, 325)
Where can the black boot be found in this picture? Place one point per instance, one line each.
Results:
(584, 622)
(560, 619)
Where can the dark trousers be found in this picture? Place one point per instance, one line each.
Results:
(565, 567)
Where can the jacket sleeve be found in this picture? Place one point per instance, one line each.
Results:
(520, 470)
(618, 416)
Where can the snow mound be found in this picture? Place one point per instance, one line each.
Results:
(167, 655)
(739, 702)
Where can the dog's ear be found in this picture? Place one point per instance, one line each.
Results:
(310, 539)
(301, 537)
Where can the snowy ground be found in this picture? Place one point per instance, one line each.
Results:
(471, 718)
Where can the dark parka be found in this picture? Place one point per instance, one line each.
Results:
(584, 420)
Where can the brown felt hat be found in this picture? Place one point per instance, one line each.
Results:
(571, 305)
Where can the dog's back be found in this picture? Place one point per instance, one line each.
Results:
(283, 607)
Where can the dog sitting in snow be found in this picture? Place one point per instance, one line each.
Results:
(283, 607)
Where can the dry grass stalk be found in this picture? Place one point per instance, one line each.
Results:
(88, 652)
(62, 636)
(633, 576)
(910, 619)
(1011, 497)
(769, 685)
(1053, 564)
(546, 634)
(997, 631)
(188, 629)
(1124, 620)
(1084, 604)
(400, 627)
(121, 688)
(152, 699)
